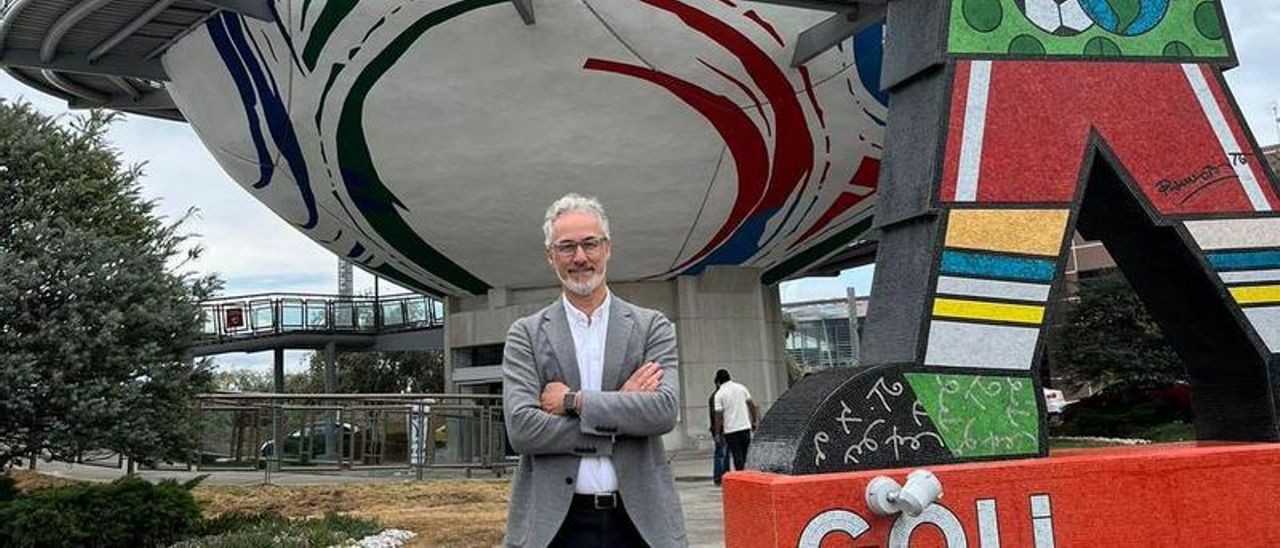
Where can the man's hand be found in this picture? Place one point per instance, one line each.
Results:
(646, 378)
(552, 399)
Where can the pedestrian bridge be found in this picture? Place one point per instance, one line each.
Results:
(254, 323)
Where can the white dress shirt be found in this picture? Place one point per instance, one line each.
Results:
(595, 474)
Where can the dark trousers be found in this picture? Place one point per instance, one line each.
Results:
(738, 442)
(585, 526)
(720, 462)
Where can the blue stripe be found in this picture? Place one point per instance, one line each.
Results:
(230, 58)
(997, 266)
(1244, 260)
(868, 58)
(276, 115)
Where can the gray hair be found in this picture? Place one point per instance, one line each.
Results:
(574, 202)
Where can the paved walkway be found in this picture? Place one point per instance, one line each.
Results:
(704, 517)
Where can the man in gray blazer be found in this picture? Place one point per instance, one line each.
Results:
(589, 387)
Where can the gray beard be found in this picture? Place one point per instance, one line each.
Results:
(585, 288)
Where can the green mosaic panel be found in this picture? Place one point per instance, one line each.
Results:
(981, 416)
(1189, 31)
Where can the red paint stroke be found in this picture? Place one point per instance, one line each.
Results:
(868, 175)
(813, 99)
(752, 15)
(826, 168)
(729, 3)
(793, 149)
(754, 98)
(827, 141)
(740, 134)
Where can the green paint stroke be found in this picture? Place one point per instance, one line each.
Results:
(331, 15)
(1026, 44)
(1208, 22)
(1177, 49)
(1127, 12)
(1196, 25)
(983, 15)
(1101, 47)
(371, 197)
(981, 416)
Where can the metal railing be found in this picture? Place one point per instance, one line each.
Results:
(416, 433)
(248, 316)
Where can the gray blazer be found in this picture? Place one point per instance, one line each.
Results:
(626, 426)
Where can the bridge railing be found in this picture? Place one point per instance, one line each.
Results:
(227, 318)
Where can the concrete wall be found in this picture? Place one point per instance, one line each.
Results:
(724, 319)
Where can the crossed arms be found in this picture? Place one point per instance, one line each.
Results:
(645, 405)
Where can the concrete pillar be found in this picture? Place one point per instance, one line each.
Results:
(727, 319)
(277, 414)
(331, 449)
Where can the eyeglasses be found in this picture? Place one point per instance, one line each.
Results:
(590, 246)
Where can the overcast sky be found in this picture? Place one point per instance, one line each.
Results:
(180, 174)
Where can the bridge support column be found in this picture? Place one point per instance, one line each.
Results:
(331, 449)
(277, 413)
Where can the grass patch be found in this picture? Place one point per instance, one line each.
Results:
(1057, 443)
(1171, 432)
(442, 513)
(268, 529)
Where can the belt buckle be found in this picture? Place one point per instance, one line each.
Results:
(604, 501)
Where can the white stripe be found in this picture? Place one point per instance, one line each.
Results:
(1266, 321)
(988, 526)
(1040, 507)
(957, 344)
(975, 127)
(1250, 276)
(993, 289)
(1044, 532)
(1195, 75)
(1235, 233)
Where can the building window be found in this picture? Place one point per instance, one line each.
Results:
(478, 356)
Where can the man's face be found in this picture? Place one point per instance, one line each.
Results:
(580, 272)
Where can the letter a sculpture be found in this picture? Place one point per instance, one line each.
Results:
(1013, 124)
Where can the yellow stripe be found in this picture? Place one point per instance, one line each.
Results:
(977, 310)
(1256, 294)
(1029, 231)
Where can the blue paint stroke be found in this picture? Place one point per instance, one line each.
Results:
(284, 33)
(218, 34)
(964, 263)
(277, 117)
(738, 247)
(868, 57)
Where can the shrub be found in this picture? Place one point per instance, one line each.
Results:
(129, 512)
(8, 489)
(270, 529)
(1127, 413)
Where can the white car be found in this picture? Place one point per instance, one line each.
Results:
(1054, 401)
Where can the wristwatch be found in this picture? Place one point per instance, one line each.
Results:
(571, 404)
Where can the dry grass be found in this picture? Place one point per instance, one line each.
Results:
(442, 513)
(28, 480)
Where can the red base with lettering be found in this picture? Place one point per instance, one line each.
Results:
(1163, 495)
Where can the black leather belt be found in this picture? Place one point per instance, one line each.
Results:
(599, 501)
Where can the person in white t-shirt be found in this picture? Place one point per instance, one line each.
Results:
(735, 417)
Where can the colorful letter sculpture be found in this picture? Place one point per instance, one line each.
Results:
(1015, 123)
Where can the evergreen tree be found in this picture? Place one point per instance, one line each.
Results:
(380, 372)
(1110, 341)
(95, 318)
